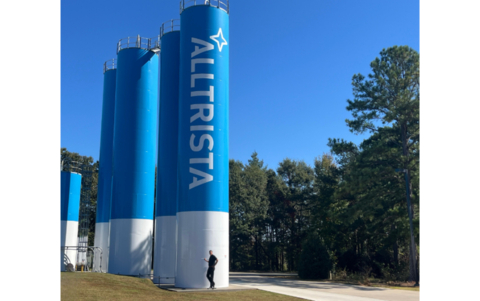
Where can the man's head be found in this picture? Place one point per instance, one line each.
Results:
(210, 252)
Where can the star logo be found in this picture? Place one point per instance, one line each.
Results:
(219, 38)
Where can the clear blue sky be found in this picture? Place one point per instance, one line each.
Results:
(291, 65)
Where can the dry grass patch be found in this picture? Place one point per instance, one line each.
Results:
(408, 286)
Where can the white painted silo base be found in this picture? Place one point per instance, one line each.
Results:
(130, 247)
(69, 238)
(102, 231)
(199, 232)
(164, 259)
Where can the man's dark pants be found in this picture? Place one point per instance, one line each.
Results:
(210, 273)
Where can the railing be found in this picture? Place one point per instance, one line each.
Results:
(155, 43)
(223, 5)
(67, 164)
(169, 26)
(109, 65)
(134, 42)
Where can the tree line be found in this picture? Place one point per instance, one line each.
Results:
(347, 213)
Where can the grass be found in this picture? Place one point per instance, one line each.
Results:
(99, 286)
(408, 286)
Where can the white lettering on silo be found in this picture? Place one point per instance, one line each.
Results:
(201, 111)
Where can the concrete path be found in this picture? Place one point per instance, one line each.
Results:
(318, 290)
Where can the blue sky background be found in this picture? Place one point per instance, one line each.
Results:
(291, 65)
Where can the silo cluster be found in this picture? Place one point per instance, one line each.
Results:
(172, 89)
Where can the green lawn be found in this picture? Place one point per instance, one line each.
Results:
(97, 286)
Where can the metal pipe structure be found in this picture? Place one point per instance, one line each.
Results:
(82, 244)
(70, 206)
(102, 225)
(166, 208)
(98, 254)
(131, 221)
(202, 214)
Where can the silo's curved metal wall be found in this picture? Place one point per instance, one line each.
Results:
(71, 183)
(102, 226)
(166, 208)
(131, 222)
(202, 216)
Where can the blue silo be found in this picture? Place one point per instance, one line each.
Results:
(104, 195)
(131, 221)
(166, 208)
(71, 183)
(202, 214)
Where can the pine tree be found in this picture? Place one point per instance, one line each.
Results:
(391, 96)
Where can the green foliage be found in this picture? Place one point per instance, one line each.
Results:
(391, 92)
(297, 178)
(248, 210)
(315, 261)
(370, 197)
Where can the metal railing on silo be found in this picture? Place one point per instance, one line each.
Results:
(109, 65)
(223, 5)
(135, 42)
(155, 44)
(68, 164)
(169, 26)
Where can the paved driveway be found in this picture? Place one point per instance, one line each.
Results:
(318, 290)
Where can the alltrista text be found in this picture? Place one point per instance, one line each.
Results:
(200, 136)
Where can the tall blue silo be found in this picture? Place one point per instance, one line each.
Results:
(131, 221)
(71, 183)
(202, 214)
(164, 259)
(104, 195)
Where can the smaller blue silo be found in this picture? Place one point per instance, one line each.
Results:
(102, 225)
(136, 96)
(71, 183)
(166, 209)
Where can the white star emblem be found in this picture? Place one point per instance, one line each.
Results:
(215, 37)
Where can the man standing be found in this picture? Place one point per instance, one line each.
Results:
(212, 262)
